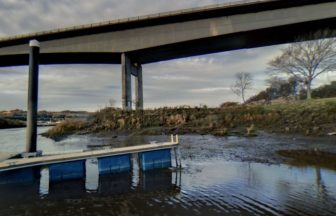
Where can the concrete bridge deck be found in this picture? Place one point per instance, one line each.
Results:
(171, 35)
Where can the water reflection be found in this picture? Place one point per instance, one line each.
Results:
(117, 183)
(207, 188)
(92, 175)
(44, 182)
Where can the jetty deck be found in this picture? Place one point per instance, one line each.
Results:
(12, 164)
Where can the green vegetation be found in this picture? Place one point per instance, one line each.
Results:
(279, 88)
(9, 123)
(325, 91)
(289, 89)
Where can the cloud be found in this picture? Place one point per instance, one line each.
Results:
(171, 77)
(5, 72)
(193, 81)
(211, 89)
(21, 16)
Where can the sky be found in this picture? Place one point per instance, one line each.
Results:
(201, 80)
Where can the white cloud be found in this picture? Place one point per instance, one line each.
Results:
(171, 77)
(211, 89)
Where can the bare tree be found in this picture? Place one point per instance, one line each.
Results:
(243, 83)
(307, 58)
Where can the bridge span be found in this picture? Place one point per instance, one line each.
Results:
(135, 41)
(165, 36)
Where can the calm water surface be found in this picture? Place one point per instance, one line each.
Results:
(205, 186)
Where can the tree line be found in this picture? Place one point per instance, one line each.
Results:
(292, 73)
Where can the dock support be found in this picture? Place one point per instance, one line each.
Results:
(31, 134)
(114, 164)
(67, 170)
(126, 71)
(156, 159)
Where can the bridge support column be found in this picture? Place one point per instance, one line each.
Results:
(31, 133)
(138, 88)
(126, 71)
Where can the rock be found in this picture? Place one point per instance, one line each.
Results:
(250, 131)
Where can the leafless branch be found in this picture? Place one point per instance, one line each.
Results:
(307, 58)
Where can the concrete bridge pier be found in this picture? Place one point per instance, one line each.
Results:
(31, 133)
(129, 68)
(138, 87)
(126, 71)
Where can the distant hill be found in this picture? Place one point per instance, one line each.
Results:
(17, 118)
(9, 123)
(43, 115)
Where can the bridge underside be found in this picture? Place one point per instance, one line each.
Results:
(241, 40)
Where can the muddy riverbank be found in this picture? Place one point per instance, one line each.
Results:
(261, 149)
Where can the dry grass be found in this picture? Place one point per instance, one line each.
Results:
(65, 128)
(313, 117)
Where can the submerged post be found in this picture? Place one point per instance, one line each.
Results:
(31, 134)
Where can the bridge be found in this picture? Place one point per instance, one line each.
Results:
(135, 41)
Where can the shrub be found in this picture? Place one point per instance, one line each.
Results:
(229, 104)
(64, 128)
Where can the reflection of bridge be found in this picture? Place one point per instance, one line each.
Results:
(147, 39)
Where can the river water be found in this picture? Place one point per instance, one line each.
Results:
(212, 182)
